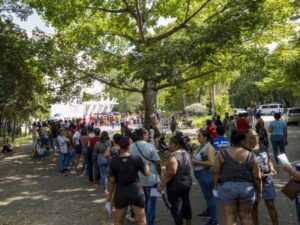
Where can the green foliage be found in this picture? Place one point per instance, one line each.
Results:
(22, 90)
(222, 104)
(128, 102)
(87, 97)
(200, 122)
(283, 69)
(124, 44)
(127, 36)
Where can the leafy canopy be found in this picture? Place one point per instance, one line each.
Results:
(128, 44)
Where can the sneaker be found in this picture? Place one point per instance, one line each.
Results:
(130, 218)
(204, 215)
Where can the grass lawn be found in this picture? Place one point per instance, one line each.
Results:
(21, 140)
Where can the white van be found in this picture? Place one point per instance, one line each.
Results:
(292, 115)
(270, 108)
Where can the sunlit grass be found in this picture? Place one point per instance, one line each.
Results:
(21, 140)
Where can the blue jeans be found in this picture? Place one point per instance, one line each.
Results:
(84, 169)
(278, 145)
(103, 169)
(96, 169)
(62, 161)
(150, 204)
(71, 156)
(205, 180)
(298, 210)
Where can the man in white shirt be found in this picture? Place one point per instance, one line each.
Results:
(63, 150)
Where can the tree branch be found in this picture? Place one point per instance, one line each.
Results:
(187, 9)
(203, 74)
(183, 70)
(178, 27)
(217, 13)
(109, 83)
(124, 10)
(130, 9)
(139, 21)
(126, 36)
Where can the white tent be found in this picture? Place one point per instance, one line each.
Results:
(72, 110)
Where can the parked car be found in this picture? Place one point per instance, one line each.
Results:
(239, 111)
(270, 108)
(292, 115)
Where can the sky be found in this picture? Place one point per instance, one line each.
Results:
(32, 22)
(36, 20)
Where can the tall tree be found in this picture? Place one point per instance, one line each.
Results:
(22, 88)
(145, 46)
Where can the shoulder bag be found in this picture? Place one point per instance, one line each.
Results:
(291, 189)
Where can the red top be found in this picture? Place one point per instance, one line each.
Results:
(211, 129)
(93, 141)
(241, 124)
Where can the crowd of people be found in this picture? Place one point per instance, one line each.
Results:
(232, 164)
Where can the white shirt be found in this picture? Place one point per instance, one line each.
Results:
(76, 137)
(62, 142)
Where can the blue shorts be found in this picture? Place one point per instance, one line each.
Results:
(237, 191)
(268, 189)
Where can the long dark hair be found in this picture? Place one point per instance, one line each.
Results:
(138, 134)
(104, 136)
(206, 134)
(237, 136)
(178, 139)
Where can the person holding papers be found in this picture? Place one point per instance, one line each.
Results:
(267, 171)
(295, 173)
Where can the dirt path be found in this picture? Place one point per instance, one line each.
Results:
(33, 192)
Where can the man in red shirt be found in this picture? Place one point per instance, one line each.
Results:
(241, 123)
(211, 129)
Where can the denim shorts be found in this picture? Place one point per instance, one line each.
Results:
(268, 189)
(234, 191)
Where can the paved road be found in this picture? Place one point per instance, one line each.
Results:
(34, 193)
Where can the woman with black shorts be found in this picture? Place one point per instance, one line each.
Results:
(123, 177)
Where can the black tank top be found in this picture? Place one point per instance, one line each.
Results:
(232, 170)
(183, 173)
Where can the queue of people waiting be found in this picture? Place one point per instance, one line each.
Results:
(231, 164)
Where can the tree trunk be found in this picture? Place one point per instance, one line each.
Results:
(13, 131)
(149, 97)
(26, 127)
(213, 98)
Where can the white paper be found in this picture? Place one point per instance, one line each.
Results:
(108, 208)
(215, 193)
(154, 193)
(284, 160)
